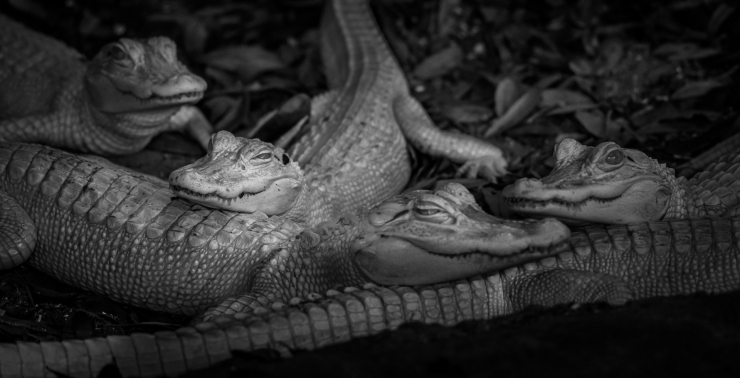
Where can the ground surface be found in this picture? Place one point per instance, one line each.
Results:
(657, 76)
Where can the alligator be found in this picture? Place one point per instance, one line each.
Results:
(126, 235)
(112, 232)
(614, 185)
(68, 214)
(353, 150)
(114, 104)
(122, 234)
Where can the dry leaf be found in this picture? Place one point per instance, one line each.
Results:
(593, 121)
(225, 110)
(581, 67)
(440, 63)
(195, 36)
(677, 52)
(467, 113)
(507, 92)
(246, 61)
(517, 113)
(562, 97)
(696, 89)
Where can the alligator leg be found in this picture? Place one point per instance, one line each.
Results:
(562, 286)
(17, 233)
(478, 158)
(191, 120)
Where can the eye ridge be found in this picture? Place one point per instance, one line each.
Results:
(615, 157)
(263, 156)
(425, 209)
(116, 52)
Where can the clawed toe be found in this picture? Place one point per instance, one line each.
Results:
(489, 168)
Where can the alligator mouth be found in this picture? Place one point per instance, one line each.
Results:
(398, 261)
(181, 98)
(520, 203)
(478, 255)
(272, 197)
(212, 196)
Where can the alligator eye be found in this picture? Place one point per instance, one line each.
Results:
(427, 211)
(263, 156)
(116, 52)
(427, 208)
(615, 157)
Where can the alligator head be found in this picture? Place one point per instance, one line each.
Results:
(141, 75)
(428, 237)
(604, 184)
(240, 174)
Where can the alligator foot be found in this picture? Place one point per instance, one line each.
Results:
(487, 167)
(479, 158)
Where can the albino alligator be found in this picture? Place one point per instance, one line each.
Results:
(126, 235)
(131, 91)
(354, 152)
(115, 233)
(610, 184)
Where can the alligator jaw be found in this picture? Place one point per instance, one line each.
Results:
(552, 206)
(643, 201)
(440, 253)
(276, 197)
(157, 101)
(399, 262)
(210, 197)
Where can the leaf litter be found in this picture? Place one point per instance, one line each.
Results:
(657, 76)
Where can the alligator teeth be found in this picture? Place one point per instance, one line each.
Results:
(191, 193)
(530, 251)
(156, 98)
(524, 202)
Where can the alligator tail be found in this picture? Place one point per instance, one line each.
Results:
(336, 318)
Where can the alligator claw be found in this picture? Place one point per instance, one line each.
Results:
(487, 167)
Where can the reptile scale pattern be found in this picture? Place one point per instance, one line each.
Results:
(150, 248)
(613, 263)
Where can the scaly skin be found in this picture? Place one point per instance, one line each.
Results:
(609, 184)
(353, 152)
(126, 235)
(612, 263)
(131, 91)
(118, 233)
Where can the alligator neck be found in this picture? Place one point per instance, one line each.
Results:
(301, 209)
(317, 260)
(121, 133)
(679, 205)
